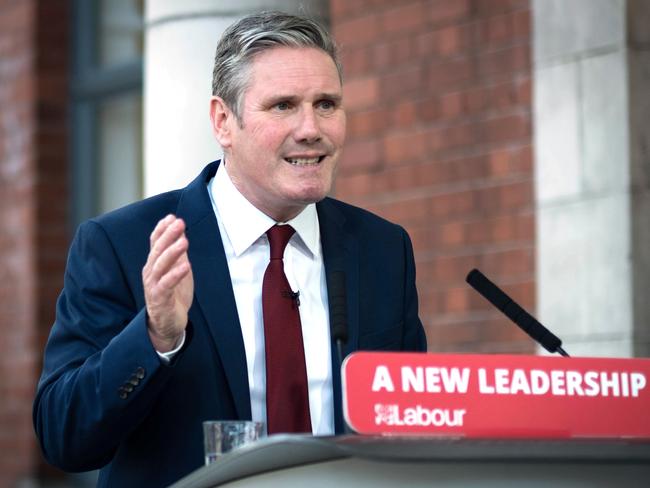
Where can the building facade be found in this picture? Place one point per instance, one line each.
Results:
(508, 135)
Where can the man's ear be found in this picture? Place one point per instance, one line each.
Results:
(222, 119)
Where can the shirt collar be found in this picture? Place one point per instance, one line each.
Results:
(244, 223)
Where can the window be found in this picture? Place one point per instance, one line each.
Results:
(106, 106)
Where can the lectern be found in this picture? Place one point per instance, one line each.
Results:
(465, 421)
(376, 461)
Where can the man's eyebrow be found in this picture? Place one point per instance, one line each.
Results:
(272, 100)
(335, 97)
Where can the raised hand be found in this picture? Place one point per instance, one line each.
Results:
(168, 283)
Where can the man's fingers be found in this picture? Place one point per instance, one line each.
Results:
(160, 288)
(175, 274)
(161, 293)
(169, 257)
(156, 267)
(164, 235)
(160, 227)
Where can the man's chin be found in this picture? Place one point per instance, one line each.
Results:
(312, 195)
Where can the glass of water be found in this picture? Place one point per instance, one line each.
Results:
(221, 436)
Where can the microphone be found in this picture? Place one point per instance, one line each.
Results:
(514, 312)
(338, 310)
(294, 295)
(339, 317)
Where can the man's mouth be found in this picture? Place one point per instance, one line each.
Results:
(304, 161)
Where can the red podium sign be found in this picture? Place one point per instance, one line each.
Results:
(496, 395)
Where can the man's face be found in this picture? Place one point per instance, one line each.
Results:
(283, 151)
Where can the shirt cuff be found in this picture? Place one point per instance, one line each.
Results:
(166, 357)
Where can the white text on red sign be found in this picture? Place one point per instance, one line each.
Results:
(503, 381)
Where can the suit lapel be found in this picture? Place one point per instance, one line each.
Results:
(340, 254)
(213, 287)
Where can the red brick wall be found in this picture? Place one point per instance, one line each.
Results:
(33, 236)
(438, 95)
(52, 235)
(52, 202)
(17, 261)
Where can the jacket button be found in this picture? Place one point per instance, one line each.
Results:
(134, 381)
(128, 387)
(140, 372)
(122, 393)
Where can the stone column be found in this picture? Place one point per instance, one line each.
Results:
(638, 56)
(180, 41)
(591, 136)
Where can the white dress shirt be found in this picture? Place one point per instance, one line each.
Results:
(243, 233)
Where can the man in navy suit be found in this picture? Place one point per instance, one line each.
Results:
(160, 325)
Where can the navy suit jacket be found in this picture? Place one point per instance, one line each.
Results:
(105, 400)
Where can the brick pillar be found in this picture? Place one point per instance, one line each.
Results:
(17, 261)
(33, 237)
(438, 95)
(52, 233)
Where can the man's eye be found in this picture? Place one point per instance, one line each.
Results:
(282, 106)
(327, 104)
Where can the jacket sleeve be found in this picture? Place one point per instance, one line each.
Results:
(101, 375)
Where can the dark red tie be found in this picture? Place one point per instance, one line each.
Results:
(287, 397)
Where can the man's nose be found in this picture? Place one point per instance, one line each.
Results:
(308, 126)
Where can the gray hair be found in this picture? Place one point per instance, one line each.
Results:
(254, 34)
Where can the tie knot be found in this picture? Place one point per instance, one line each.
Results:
(279, 236)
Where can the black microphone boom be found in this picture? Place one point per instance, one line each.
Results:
(338, 310)
(514, 312)
(338, 302)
